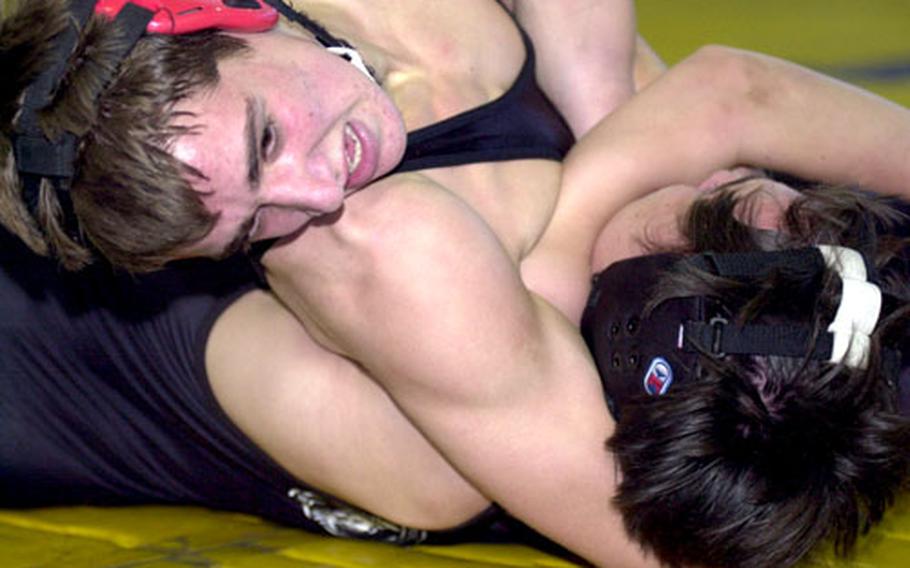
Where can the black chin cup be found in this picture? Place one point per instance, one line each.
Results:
(637, 351)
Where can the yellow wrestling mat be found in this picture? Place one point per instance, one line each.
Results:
(93, 537)
(147, 537)
(867, 42)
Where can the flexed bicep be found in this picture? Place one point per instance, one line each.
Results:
(427, 300)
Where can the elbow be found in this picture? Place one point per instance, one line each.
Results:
(734, 79)
(721, 64)
(732, 88)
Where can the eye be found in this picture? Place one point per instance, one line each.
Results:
(268, 142)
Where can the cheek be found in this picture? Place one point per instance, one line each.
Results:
(395, 133)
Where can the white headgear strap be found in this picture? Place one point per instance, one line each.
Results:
(353, 57)
(859, 309)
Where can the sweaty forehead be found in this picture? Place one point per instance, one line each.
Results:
(215, 147)
(214, 120)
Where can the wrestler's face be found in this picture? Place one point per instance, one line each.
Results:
(287, 133)
(652, 223)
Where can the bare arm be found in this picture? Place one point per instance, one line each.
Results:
(719, 108)
(585, 53)
(723, 107)
(413, 285)
(648, 65)
(325, 421)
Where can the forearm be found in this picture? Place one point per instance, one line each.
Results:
(585, 52)
(724, 107)
(798, 121)
(721, 108)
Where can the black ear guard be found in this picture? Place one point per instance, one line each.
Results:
(642, 353)
(637, 353)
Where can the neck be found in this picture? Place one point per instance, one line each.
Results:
(353, 23)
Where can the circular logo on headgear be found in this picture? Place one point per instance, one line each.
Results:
(658, 377)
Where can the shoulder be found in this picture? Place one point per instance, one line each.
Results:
(394, 211)
(398, 244)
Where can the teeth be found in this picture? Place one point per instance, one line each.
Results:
(353, 148)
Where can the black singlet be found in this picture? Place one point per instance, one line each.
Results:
(105, 400)
(103, 393)
(521, 124)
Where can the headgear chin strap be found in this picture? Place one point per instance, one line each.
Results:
(642, 353)
(37, 156)
(859, 309)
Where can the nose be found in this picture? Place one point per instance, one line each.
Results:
(313, 186)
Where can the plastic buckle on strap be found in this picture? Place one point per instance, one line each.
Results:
(717, 324)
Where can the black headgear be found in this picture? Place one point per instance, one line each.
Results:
(38, 157)
(642, 353)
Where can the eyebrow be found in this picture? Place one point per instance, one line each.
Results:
(254, 168)
(251, 134)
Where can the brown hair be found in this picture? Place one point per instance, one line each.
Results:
(133, 200)
(760, 459)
